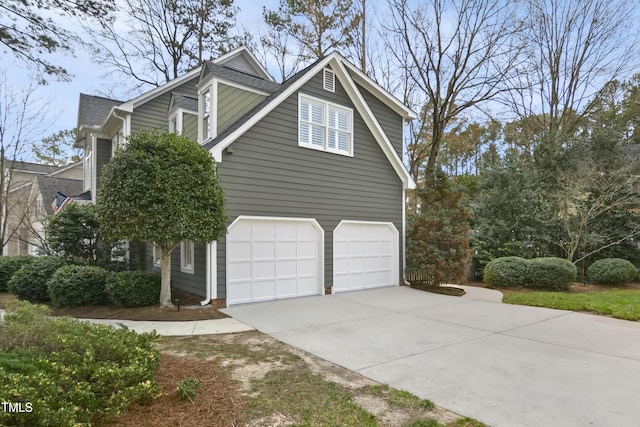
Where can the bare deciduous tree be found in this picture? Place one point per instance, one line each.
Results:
(571, 50)
(158, 41)
(458, 54)
(318, 26)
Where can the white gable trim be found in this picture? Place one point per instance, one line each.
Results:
(66, 168)
(373, 125)
(379, 92)
(242, 50)
(343, 76)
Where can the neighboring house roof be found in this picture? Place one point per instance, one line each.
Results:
(224, 72)
(288, 88)
(31, 167)
(49, 187)
(183, 101)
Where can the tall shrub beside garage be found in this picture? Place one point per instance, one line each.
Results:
(161, 188)
(438, 237)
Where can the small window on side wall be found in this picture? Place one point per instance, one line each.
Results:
(186, 257)
(156, 257)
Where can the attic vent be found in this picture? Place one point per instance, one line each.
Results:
(329, 79)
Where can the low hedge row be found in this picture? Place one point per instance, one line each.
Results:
(545, 273)
(70, 372)
(41, 279)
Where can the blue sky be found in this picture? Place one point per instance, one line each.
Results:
(61, 98)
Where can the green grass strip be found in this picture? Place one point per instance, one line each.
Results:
(621, 304)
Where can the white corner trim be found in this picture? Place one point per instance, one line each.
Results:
(404, 232)
(373, 124)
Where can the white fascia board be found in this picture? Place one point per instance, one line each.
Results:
(243, 50)
(65, 168)
(218, 148)
(373, 125)
(379, 92)
(154, 93)
(241, 86)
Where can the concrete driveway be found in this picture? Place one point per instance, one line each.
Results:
(505, 365)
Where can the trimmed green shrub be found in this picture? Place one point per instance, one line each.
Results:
(612, 271)
(30, 282)
(550, 273)
(506, 272)
(76, 285)
(71, 372)
(9, 265)
(134, 288)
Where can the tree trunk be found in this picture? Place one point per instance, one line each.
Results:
(165, 277)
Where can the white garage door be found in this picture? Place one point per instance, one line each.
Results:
(273, 258)
(365, 255)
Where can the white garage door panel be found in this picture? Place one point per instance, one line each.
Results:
(273, 258)
(365, 255)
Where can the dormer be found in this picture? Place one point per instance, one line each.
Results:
(229, 87)
(183, 115)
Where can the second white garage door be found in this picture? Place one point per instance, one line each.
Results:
(365, 255)
(273, 258)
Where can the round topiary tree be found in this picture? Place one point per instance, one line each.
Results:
(506, 272)
(162, 188)
(612, 271)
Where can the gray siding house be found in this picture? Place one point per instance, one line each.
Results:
(311, 168)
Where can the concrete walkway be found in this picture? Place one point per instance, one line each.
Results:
(505, 365)
(196, 327)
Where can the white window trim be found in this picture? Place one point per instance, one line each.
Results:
(327, 105)
(212, 90)
(186, 267)
(178, 116)
(155, 257)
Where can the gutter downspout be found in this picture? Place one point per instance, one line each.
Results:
(207, 299)
(124, 122)
(212, 273)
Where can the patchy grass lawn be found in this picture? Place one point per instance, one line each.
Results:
(621, 304)
(251, 379)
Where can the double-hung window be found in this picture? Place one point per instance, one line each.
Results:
(206, 114)
(325, 126)
(186, 257)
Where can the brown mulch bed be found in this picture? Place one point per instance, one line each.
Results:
(190, 310)
(443, 290)
(216, 402)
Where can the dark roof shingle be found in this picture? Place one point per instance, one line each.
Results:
(242, 78)
(93, 110)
